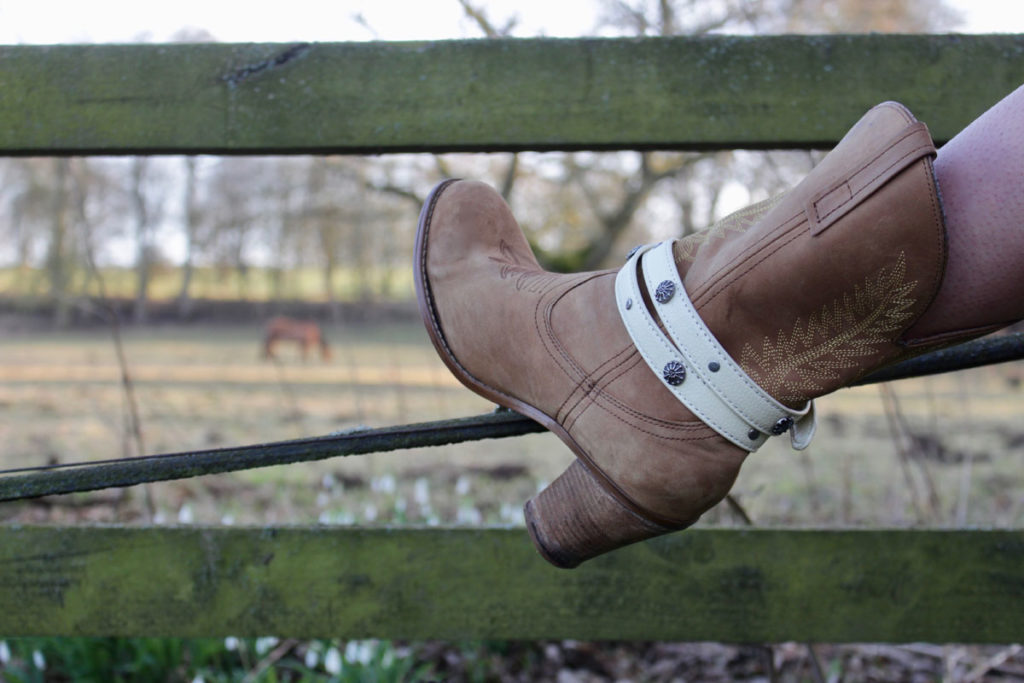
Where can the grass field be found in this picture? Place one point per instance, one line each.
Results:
(256, 284)
(957, 458)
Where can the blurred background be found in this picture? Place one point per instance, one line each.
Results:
(136, 294)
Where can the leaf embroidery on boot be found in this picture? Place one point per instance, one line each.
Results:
(738, 222)
(528, 278)
(812, 357)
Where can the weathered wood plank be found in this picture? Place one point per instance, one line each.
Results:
(678, 93)
(727, 585)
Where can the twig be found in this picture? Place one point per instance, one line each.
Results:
(272, 657)
(396, 378)
(816, 670)
(357, 395)
(293, 411)
(967, 467)
(901, 451)
(920, 449)
(768, 653)
(991, 663)
(131, 403)
(812, 487)
(738, 509)
(924, 650)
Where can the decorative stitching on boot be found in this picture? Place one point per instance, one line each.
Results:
(591, 382)
(736, 222)
(544, 331)
(603, 398)
(842, 331)
(587, 386)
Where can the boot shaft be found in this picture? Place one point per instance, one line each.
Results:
(812, 290)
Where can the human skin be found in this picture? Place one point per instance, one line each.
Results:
(980, 174)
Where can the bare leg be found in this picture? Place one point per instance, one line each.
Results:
(980, 173)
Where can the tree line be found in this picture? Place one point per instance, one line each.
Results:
(64, 220)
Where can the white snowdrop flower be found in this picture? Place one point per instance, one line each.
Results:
(185, 515)
(383, 484)
(421, 492)
(38, 660)
(231, 643)
(360, 651)
(345, 518)
(227, 520)
(160, 517)
(368, 651)
(264, 645)
(5, 652)
(468, 514)
(199, 679)
(462, 485)
(513, 514)
(432, 520)
(324, 518)
(401, 505)
(332, 661)
(322, 499)
(328, 481)
(311, 659)
(370, 512)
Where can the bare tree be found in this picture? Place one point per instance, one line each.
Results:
(190, 227)
(59, 262)
(27, 188)
(145, 198)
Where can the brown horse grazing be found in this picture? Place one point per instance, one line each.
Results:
(306, 334)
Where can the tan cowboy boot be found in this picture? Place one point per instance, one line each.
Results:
(662, 377)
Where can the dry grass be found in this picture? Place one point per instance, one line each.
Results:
(203, 387)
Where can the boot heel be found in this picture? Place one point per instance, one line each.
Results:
(575, 519)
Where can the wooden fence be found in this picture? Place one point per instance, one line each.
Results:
(675, 93)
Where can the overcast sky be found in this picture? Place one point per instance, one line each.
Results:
(63, 21)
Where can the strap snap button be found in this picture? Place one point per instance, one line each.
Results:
(782, 426)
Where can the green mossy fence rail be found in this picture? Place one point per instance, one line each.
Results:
(673, 93)
(728, 585)
(664, 93)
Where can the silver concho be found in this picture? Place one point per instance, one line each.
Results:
(674, 373)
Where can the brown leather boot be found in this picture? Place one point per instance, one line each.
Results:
(663, 376)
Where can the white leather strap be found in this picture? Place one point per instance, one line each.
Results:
(693, 365)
